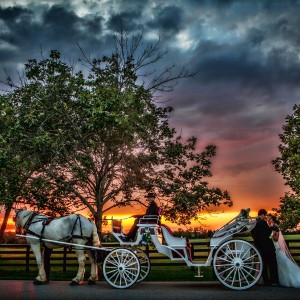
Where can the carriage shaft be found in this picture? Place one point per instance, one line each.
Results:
(63, 243)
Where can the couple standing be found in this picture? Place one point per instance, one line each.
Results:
(278, 265)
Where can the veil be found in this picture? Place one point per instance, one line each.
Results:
(284, 248)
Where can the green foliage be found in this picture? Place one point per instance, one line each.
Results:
(288, 212)
(96, 138)
(288, 164)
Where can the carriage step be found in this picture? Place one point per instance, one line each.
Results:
(199, 275)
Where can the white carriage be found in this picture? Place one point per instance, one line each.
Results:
(237, 263)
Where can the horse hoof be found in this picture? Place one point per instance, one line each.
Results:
(38, 282)
(91, 282)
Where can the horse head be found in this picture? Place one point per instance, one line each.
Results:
(17, 219)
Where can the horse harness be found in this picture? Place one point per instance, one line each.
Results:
(46, 221)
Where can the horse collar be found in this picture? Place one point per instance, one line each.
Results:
(29, 221)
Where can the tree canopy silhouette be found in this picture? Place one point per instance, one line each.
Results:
(97, 138)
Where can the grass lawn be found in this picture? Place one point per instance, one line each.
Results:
(157, 273)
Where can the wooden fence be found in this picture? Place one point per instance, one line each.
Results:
(21, 256)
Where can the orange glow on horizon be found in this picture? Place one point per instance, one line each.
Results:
(10, 227)
(207, 221)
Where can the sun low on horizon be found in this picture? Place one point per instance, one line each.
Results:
(207, 221)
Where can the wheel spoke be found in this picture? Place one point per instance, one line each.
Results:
(112, 271)
(116, 276)
(112, 267)
(246, 252)
(226, 270)
(249, 258)
(232, 254)
(248, 273)
(239, 277)
(249, 268)
(237, 264)
(144, 264)
(245, 277)
(114, 260)
(229, 274)
(223, 265)
(242, 248)
(125, 277)
(143, 271)
(233, 277)
(121, 268)
(251, 262)
(222, 258)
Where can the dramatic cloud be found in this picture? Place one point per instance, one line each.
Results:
(246, 54)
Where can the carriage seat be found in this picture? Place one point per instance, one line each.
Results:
(149, 219)
(171, 240)
(117, 226)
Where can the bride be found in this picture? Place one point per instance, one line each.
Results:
(288, 269)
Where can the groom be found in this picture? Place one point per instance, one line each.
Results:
(261, 237)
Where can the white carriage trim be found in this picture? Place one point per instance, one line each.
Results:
(173, 241)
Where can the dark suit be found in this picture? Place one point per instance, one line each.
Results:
(152, 209)
(261, 237)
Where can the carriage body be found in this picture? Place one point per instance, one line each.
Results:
(237, 264)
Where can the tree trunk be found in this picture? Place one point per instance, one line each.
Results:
(4, 223)
(98, 222)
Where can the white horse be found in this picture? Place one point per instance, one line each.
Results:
(70, 229)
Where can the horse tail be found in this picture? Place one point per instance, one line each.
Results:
(95, 236)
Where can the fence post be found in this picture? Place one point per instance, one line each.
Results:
(27, 257)
(65, 260)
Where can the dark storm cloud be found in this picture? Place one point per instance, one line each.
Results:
(127, 15)
(16, 29)
(246, 54)
(248, 73)
(125, 21)
(24, 33)
(167, 20)
(62, 23)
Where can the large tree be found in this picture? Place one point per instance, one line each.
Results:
(17, 180)
(288, 164)
(99, 134)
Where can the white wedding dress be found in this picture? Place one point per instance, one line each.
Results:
(288, 269)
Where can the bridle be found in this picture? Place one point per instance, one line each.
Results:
(30, 216)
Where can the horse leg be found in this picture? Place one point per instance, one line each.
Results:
(94, 269)
(81, 269)
(38, 252)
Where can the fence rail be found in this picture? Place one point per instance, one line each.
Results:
(21, 256)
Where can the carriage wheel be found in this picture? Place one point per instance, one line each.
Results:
(144, 264)
(121, 268)
(237, 264)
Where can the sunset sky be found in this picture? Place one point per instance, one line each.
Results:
(246, 54)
